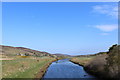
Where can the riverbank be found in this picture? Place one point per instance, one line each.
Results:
(29, 67)
(25, 63)
(93, 64)
(82, 61)
(43, 70)
(102, 63)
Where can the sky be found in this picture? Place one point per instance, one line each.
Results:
(60, 0)
(75, 28)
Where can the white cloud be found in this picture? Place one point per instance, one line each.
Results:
(110, 10)
(107, 28)
(104, 34)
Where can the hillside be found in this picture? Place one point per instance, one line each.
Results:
(13, 51)
(20, 62)
(106, 64)
(103, 64)
(90, 55)
(62, 55)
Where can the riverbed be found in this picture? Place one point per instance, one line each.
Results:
(66, 69)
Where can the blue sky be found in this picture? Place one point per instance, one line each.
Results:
(60, 0)
(61, 27)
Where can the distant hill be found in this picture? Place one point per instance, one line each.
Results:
(65, 55)
(100, 53)
(12, 51)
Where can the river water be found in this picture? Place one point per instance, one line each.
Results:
(66, 69)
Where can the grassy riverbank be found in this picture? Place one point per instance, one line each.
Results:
(82, 60)
(102, 63)
(25, 63)
(25, 67)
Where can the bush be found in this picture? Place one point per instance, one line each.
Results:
(113, 61)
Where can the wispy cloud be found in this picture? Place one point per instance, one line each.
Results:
(104, 34)
(110, 10)
(106, 28)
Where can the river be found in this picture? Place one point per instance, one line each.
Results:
(66, 69)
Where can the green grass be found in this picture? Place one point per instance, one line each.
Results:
(23, 67)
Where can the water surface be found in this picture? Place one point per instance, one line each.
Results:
(66, 69)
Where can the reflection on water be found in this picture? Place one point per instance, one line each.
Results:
(66, 69)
